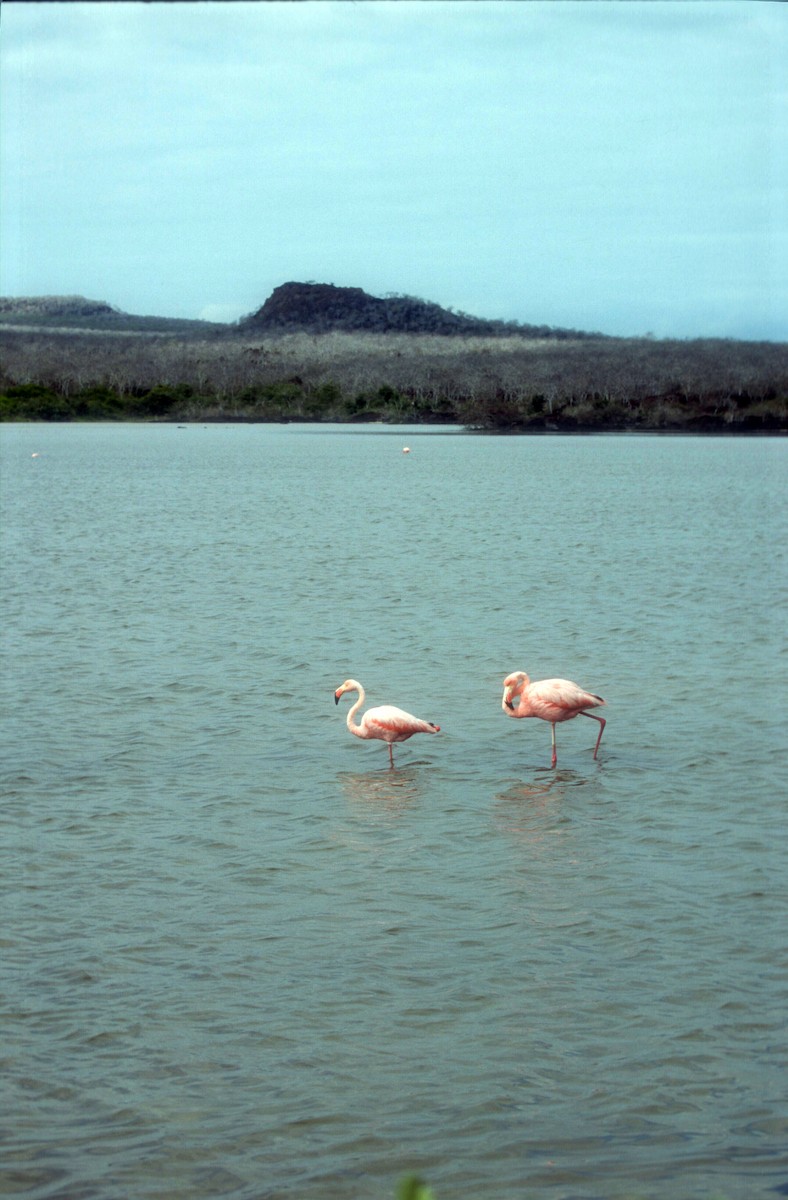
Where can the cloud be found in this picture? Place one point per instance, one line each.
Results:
(516, 156)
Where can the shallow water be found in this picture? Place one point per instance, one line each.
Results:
(241, 957)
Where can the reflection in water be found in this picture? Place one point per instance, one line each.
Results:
(202, 903)
(532, 811)
(393, 791)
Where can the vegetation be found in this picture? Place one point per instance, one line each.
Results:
(512, 383)
(146, 368)
(412, 1188)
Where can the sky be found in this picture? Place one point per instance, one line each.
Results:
(619, 167)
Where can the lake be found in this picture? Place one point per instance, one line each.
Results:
(241, 957)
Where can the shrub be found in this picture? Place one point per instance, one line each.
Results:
(161, 399)
(33, 402)
(97, 403)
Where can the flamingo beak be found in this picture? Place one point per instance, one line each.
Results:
(508, 704)
(336, 697)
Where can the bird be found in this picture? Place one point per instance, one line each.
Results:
(552, 700)
(388, 723)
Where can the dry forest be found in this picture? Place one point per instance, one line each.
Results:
(318, 353)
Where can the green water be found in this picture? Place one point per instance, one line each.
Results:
(241, 957)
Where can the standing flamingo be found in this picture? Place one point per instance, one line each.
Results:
(387, 723)
(551, 700)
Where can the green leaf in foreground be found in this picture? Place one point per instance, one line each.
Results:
(411, 1188)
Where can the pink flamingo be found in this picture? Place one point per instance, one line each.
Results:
(387, 723)
(551, 700)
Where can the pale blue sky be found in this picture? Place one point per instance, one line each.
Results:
(610, 166)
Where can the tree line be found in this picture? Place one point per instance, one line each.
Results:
(485, 382)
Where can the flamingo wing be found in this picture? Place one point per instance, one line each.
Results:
(563, 696)
(394, 724)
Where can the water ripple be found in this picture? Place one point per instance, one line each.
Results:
(242, 957)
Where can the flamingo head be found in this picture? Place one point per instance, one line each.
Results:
(349, 685)
(512, 687)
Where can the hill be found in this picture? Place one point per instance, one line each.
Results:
(316, 352)
(324, 307)
(291, 308)
(77, 314)
(53, 306)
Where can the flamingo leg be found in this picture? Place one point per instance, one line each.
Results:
(555, 756)
(391, 755)
(602, 723)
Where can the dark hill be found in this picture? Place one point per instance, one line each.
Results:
(321, 307)
(291, 308)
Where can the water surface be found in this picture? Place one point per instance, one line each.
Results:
(241, 957)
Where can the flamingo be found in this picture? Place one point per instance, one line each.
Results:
(552, 700)
(387, 723)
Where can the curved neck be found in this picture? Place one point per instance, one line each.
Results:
(353, 710)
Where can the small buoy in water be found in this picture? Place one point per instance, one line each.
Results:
(406, 449)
